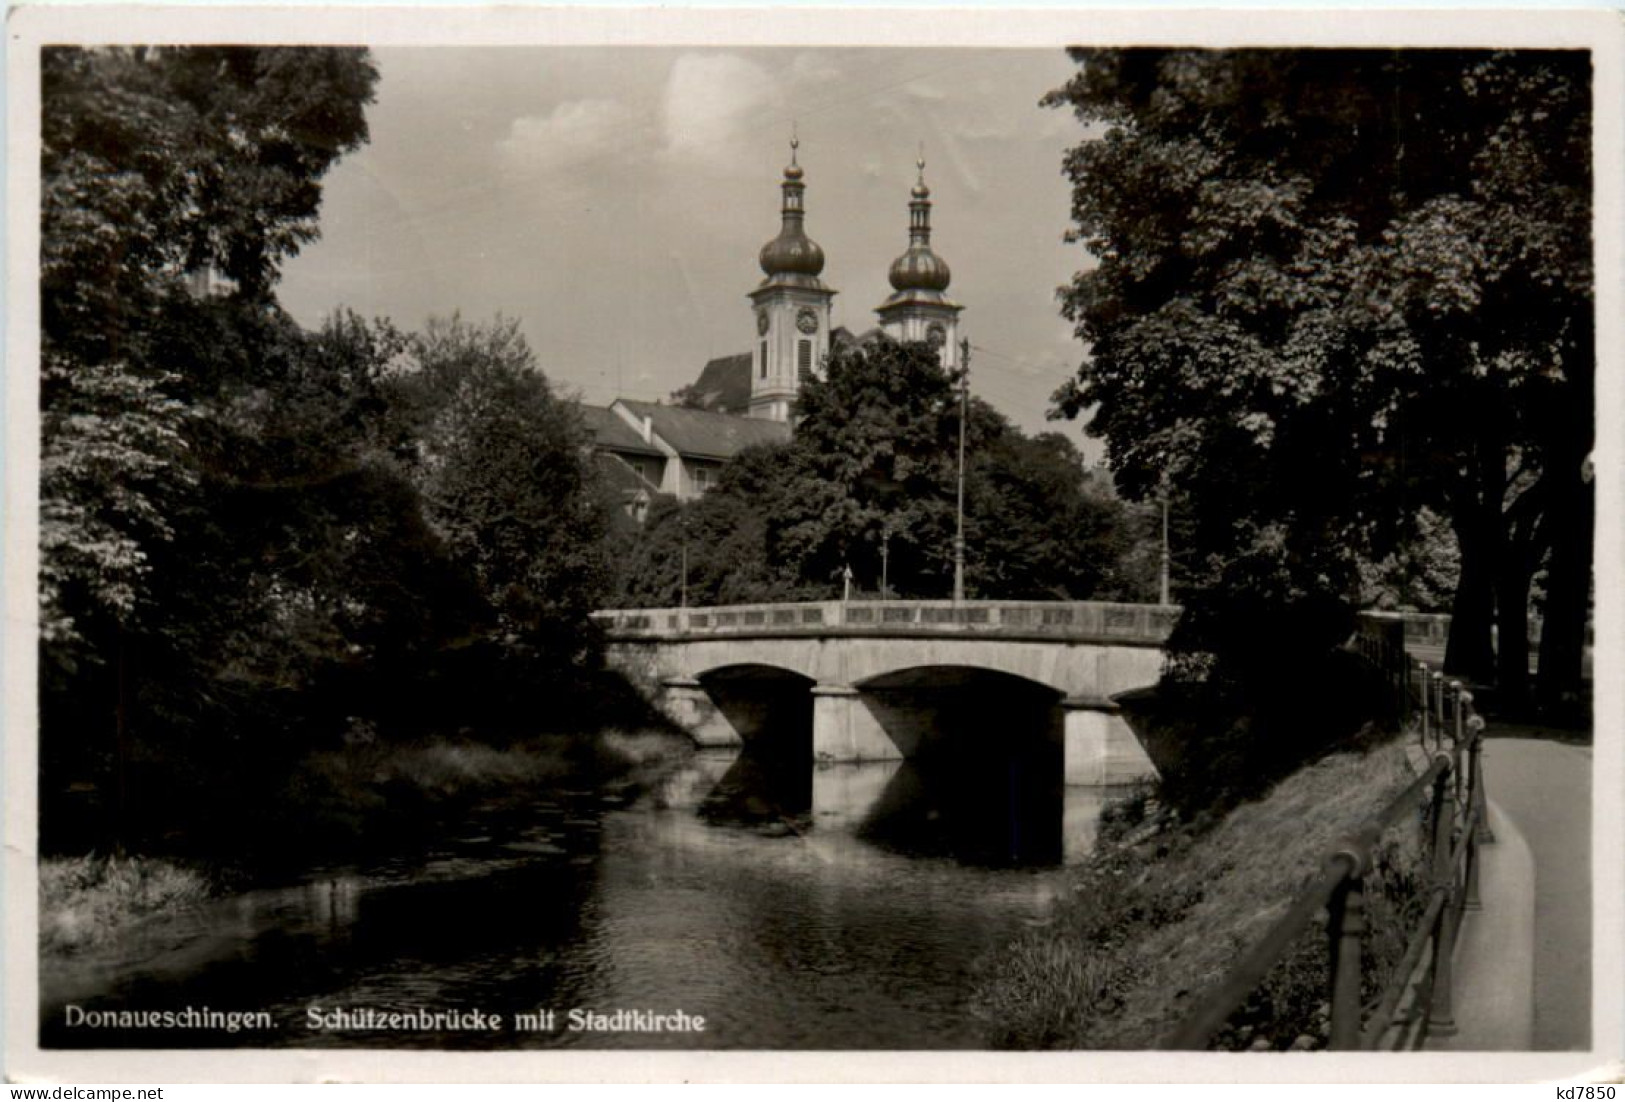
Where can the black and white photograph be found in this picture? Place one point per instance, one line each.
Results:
(540, 537)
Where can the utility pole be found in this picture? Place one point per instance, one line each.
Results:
(682, 582)
(1162, 592)
(959, 530)
(885, 549)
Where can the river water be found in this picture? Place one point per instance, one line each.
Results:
(833, 907)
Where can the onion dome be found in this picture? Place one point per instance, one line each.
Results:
(792, 253)
(920, 269)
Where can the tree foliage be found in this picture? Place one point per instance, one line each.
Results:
(868, 483)
(501, 464)
(258, 540)
(1334, 287)
(156, 163)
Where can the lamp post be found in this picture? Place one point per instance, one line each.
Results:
(959, 527)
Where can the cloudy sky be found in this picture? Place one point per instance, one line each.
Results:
(614, 200)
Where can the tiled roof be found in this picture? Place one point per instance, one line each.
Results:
(618, 473)
(724, 384)
(611, 432)
(708, 435)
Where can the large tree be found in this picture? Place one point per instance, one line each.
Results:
(1331, 288)
(721, 549)
(502, 466)
(157, 164)
(875, 453)
(160, 167)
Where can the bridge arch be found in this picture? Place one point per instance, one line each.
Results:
(767, 707)
(941, 710)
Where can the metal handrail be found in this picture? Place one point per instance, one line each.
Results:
(1455, 776)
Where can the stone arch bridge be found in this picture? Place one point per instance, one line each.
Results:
(866, 681)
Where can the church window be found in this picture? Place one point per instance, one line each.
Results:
(803, 360)
(764, 359)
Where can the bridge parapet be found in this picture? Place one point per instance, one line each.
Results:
(1073, 621)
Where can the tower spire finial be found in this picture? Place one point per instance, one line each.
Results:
(792, 171)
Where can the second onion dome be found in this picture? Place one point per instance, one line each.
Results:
(920, 269)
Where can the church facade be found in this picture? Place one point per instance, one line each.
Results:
(792, 303)
(748, 398)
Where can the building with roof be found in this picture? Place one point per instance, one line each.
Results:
(650, 448)
(747, 398)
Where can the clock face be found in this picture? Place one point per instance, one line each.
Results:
(807, 321)
(936, 335)
(761, 322)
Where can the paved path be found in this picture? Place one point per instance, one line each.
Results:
(1544, 787)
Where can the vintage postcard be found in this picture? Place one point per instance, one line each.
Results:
(813, 544)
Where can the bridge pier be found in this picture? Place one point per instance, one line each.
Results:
(849, 790)
(844, 729)
(1099, 746)
(686, 703)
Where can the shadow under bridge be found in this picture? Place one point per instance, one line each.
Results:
(937, 714)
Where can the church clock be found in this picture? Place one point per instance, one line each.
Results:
(762, 323)
(806, 320)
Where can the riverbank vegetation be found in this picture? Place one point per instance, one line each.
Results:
(1169, 902)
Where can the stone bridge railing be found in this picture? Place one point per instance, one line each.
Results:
(1057, 620)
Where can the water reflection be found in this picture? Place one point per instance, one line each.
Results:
(838, 906)
(1006, 808)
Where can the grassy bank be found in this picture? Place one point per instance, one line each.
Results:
(1166, 907)
(84, 901)
(355, 802)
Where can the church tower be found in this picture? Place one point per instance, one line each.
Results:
(791, 306)
(917, 309)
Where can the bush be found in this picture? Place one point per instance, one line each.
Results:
(85, 900)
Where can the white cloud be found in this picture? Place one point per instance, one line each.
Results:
(714, 100)
(577, 134)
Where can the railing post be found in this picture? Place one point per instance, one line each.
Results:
(1441, 1009)
(1474, 826)
(1402, 669)
(1469, 896)
(1344, 931)
(1475, 724)
(1422, 691)
(1436, 702)
(1458, 747)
